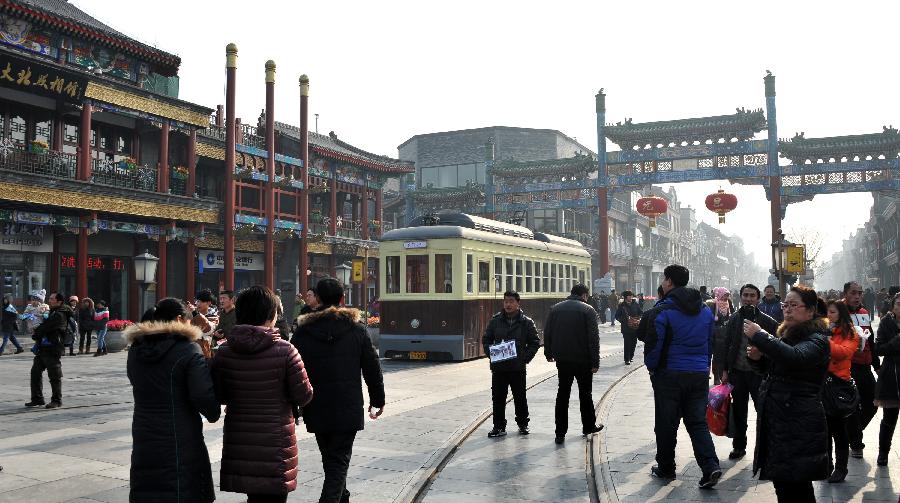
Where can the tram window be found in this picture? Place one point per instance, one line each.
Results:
(560, 279)
(528, 276)
(552, 277)
(518, 275)
(470, 274)
(509, 274)
(568, 278)
(443, 273)
(417, 274)
(484, 277)
(392, 279)
(581, 276)
(546, 286)
(498, 273)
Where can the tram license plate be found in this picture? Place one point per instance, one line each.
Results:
(417, 355)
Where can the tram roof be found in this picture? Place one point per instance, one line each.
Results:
(461, 225)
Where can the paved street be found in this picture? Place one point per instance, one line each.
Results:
(81, 453)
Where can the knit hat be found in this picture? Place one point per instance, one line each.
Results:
(39, 294)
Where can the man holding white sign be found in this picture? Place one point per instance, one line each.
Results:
(510, 341)
(861, 368)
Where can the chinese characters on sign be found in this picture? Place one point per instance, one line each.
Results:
(32, 77)
(97, 263)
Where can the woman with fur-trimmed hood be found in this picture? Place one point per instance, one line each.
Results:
(172, 387)
(336, 349)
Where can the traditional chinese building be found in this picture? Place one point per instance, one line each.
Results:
(96, 158)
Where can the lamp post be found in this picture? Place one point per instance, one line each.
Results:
(144, 273)
(342, 272)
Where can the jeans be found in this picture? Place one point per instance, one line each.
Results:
(46, 360)
(336, 449)
(84, 335)
(746, 386)
(101, 340)
(9, 336)
(857, 422)
(567, 373)
(837, 435)
(515, 380)
(678, 395)
(630, 344)
(888, 423)
(789, 491)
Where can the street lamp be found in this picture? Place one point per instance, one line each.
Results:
(342, 273)
(144, 273)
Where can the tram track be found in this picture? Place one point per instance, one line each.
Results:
(596, 472)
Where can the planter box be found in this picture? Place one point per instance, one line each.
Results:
(374, 335)
(115, 341)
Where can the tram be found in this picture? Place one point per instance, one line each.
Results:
(443, 277)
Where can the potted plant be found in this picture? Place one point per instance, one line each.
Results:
(373, 324)
(115, 335)
(128, 164)
(180, 173)
(38, 147)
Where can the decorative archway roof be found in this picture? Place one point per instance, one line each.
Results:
(799, 149)
(741, 125)
(65, 16)
(580, 164)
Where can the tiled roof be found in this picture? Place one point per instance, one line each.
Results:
(742, 125)
(800, 148)
(330, 146)
(65, 16)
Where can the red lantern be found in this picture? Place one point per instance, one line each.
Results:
(721, 203)
(652, 207)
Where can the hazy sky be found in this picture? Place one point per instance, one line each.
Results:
(382, 72)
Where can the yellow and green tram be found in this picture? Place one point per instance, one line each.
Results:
(443, 277)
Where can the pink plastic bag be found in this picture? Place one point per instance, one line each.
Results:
(719, 394)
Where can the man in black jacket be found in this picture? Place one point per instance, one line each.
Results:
(48, 338)
(629, 315)
(736, 369)
(335, 348)
(507, 370)
(572, 340)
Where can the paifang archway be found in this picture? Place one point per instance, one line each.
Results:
(715, 148)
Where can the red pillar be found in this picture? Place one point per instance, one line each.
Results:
(190, 267)
(378, 215)
(304, 177)
(134, 291)
(364, 209)
(332, 226)
(59, 128)
(84, 142)
(192, 164)
(54, 262)
(603, 235)
(163, 173)
(162, 283)
(270, 172)
(81, 258)
(228, 220)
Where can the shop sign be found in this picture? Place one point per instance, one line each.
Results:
(25, 238)
(214, 260)
(344, 249)
(31, 77)
(93, 262)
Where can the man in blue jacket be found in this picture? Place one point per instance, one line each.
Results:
(678, 344)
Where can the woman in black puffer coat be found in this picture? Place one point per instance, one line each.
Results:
(791, 431)
(887, 389)
(172, 387)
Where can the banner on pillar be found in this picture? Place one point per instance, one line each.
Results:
(358, 271)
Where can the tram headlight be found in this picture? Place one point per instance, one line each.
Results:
(414, 323)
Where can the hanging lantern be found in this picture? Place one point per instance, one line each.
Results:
(721, 202)
(652, 207)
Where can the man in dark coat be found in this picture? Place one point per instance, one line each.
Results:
(678, 344)
(172, 387)
(603, 305)
(736, 368)
(335, 348)
(629, 315)
(572, 340)
(511, 324)
(49, 348)
(771, 304)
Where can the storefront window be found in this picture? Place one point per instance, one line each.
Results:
(392, 274)
(417, 274)
(443, 273)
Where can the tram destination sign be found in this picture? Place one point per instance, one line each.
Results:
(415, 245)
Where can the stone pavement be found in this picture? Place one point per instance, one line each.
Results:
(629, 446)
(81, 453)
(528, 468)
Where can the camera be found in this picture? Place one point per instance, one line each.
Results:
(749, 312)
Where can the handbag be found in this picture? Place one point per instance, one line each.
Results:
(839, 397)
